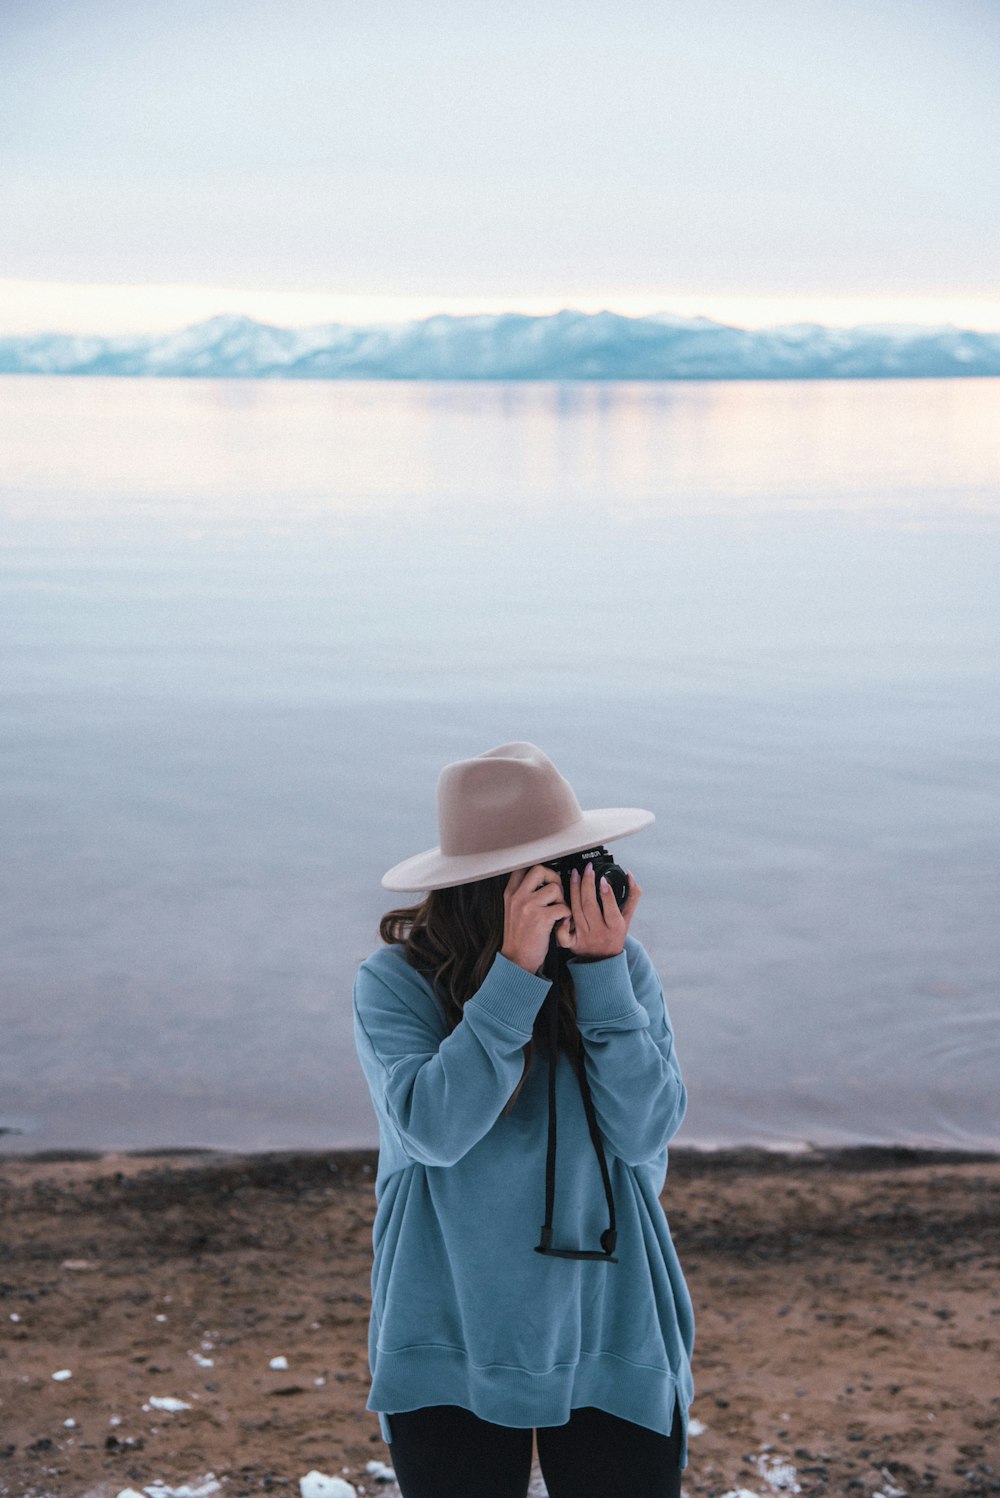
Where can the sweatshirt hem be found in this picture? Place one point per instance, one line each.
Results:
(505, 1394)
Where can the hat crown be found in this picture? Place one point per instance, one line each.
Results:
(502, 798)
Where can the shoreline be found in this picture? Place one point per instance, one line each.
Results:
(840, 1156)
(847, 1306)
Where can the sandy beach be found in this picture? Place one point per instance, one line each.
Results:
(848, 1333)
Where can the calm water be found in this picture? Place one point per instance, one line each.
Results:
(244, 625)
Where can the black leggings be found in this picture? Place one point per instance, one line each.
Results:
(443, 1451)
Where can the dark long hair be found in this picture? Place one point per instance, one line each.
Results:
(452, 938)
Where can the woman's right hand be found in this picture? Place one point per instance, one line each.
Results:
(532, 904)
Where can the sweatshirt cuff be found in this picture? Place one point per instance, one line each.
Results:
(604, 991)
(512, 995)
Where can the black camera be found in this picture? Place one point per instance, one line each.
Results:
(604, 865)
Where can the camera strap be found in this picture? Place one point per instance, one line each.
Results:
(609, 1237)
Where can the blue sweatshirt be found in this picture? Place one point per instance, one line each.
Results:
(463, 1310)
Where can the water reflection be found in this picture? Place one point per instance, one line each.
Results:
(297, 451)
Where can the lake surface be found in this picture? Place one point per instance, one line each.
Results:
(245, 624)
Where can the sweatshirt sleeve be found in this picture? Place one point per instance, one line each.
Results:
(442, 1095)
(631, 1063)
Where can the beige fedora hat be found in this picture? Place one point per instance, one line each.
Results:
(505, 809)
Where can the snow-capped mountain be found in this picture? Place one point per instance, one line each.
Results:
(566, 345)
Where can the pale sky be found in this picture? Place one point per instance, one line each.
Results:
(758, 161)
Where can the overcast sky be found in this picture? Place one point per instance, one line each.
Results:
(371, 155)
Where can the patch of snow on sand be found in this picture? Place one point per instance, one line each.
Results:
(380, 1472)
(889, 1488)
(779, 1475)
(319, 1485)
(199, 1487)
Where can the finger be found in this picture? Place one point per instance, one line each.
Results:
(555, 910)
(588, 897)
(528, 881)
(614, 918)
(566, 935)
(514, 882)
(547, 889)
(575, 897)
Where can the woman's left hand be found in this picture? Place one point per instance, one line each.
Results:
(594, 932)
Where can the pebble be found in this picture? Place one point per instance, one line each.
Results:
(62, 1375)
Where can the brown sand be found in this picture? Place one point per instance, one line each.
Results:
(848, 1321)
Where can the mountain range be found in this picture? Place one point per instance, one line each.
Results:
(566, 345)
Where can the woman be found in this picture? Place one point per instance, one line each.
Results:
(484, 1330)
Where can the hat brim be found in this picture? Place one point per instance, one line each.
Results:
(437, 870)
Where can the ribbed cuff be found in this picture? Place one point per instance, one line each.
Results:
(604, 991)
(512, 995)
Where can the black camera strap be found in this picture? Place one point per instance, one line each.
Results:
(609, 1237)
